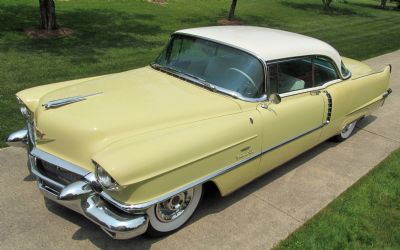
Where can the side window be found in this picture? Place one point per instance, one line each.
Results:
(345, 70)
(324, 71)
(291, 75)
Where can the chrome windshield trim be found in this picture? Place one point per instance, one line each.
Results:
(58, 162)
(145, 205)
(230, 92)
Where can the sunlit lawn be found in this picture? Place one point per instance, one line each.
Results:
(116, 35)
(367, 216)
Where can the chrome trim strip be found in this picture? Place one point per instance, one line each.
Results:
(59, 162)
(141, 206)
(145, 205)
(292, 139)
(324, 86)
(66, 101)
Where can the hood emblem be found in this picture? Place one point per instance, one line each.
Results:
(39, 134)
(66, 101)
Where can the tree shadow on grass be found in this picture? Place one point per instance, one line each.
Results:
(319, 9)
(94, 30)
(375, 5)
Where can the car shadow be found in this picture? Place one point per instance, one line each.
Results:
(366, 121)
(212, 203)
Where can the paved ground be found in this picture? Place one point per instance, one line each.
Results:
(257, 216)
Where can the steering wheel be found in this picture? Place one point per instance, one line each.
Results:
(250, 81)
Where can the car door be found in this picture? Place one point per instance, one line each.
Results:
(335, 93)
(293, 125)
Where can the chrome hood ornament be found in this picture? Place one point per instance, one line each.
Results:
(66, 101)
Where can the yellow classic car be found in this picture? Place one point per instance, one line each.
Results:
(224, 105)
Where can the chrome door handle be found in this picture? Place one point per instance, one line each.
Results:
(315, 92)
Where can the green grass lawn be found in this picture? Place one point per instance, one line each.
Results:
(366, 216)
(117, 35)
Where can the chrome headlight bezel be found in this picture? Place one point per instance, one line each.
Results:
(105, 179)
(25, 111)
(30, 121)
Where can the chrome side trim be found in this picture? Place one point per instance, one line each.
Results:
(292, 139)
(302, 91)
(330, 107)
(59, 162)
(141, 206)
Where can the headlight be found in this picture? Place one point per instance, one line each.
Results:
(24, 110)
(105, 180)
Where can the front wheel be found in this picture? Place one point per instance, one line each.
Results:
(171, 214)
(346, 132)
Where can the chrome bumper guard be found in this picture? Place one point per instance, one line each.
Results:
(80, 197)
(387, 93)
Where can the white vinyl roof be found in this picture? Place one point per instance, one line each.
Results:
(268, 44)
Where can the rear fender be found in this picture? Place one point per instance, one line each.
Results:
(368, 93)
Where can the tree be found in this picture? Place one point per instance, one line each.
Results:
(232, 10)
(47, 15)
(383, 4)
(327, 3)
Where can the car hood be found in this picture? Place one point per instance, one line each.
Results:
(121, 106)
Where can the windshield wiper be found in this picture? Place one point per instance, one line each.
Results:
(192, 77)
(198, 79)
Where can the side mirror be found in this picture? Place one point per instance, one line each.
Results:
(275, 98)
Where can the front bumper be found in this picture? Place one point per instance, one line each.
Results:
(81, 197)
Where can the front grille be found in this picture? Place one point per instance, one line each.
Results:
(56, 173)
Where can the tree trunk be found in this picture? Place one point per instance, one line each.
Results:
(383, 4)
(232, 10)
(47, 15)
(327, 3)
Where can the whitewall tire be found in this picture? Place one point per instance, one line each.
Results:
(171, 214)
(346, 132)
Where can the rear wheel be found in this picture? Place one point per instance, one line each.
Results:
(171, 214)
(346, 132)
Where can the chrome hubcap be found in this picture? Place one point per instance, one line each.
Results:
(172, 208)
(348, 129)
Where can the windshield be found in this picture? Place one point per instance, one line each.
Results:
(218, 65)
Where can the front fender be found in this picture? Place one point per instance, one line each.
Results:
(155, 164)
